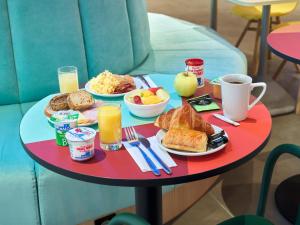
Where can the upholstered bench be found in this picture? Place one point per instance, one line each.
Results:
(36, 37)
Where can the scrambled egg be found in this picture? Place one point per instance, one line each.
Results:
(104, 83)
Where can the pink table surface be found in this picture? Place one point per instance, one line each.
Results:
(285, 42)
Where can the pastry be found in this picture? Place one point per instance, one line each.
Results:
(59, 102)
(80, 100)
(185, 140)
(49, 111)
(184, 117)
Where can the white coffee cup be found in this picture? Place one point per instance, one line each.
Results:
(236, 90)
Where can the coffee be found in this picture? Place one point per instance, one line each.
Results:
(235, 98)
(235, 82)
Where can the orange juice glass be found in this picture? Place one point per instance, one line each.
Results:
(110, 126)
(68, 79)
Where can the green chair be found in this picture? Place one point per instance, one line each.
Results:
(128, 219)
(258, 219)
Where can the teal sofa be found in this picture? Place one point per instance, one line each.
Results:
(36, 37)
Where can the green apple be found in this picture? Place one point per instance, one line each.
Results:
(185, 84)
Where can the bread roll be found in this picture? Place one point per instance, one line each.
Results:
(80, 100)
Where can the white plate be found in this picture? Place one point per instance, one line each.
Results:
(87, 88)
(161, 133)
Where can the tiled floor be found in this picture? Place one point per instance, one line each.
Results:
(238, 191)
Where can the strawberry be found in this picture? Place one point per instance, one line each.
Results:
(154, 90)
(137, 100)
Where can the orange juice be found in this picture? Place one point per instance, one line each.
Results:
(68, 79)
(68, 82)
(110, 128)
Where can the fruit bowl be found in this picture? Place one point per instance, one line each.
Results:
(144, 110)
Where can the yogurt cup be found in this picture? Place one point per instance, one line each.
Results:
(81, 143)
(63, 121)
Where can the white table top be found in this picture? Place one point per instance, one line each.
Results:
(259, 2)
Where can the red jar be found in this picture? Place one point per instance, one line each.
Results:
(196, 66)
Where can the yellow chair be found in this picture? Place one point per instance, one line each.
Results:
(254, 14)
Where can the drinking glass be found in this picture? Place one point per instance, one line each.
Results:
(110, 128)
(68, 79)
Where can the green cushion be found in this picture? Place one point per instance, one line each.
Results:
(46, 35)
(116, 37)
(66, 201)
(140, 33)
(104, 47)
(174, 40)
(26, 106)
(8, 87)
(18, 198)
(247, 220)
(128, 218)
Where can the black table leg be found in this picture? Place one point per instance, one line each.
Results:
(261, 76)
(148, 202)
(213, 14)
(287, 198)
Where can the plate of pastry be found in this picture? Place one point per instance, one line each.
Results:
(111, 85)
(79, 101)
(184, 132)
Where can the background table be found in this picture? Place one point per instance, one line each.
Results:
(118, 168)
(285, 42)
(276, 108)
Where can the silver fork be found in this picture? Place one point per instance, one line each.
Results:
(132, 139)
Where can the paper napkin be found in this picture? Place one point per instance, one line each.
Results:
(141, 162)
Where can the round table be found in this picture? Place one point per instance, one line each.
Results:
(284, 42)
(118, 168)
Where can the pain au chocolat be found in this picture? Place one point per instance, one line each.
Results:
(185, 140)
(186, 130)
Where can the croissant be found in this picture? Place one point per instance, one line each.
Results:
(184, 117)
(185, 140)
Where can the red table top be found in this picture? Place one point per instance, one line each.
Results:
(118, 168)
(285, 42)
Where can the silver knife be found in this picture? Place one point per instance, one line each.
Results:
(147, 144)
(142, 78)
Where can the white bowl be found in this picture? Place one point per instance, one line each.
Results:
(145, 111)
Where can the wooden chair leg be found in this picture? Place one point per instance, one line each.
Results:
(243, 33)
(297, 67)
(255, 52)
(279, 69)
(278, 21)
